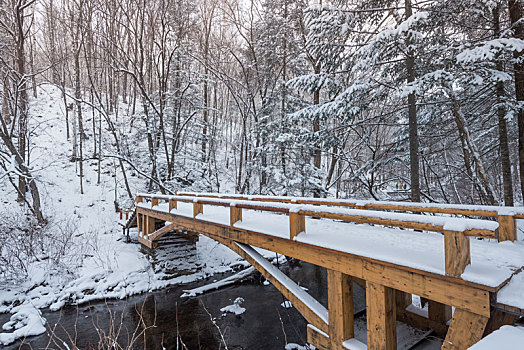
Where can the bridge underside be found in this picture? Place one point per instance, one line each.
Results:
(388, 287)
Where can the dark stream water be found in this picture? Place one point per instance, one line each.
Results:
(163, 319)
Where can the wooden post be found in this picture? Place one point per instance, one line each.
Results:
(139, 199)
(340, 299)
(235, 214)
(198, 208)
(139, 223)
(150, 226)
(381, 317)
(402, 300)
(297, 224)
(457, 252)
(440, 313)
(120, 213)
(154, 202)
(466, 329)
(172, 204)
(127, 215)
(507, 228)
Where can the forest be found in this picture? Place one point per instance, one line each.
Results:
(418, 100)
(385, 100)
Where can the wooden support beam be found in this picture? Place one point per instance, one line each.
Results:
(340, 300)
(154, 202)
(439, 314)
(149, 228)
(120, 210)
(198, 208)
(235, 215)
(127, 215)
(456, 252)
(317, 338)
(498, 319)
(161, 232)
(139, 223)
(466, 329)
(172, 204)
(139, 199)
(507, 228)
(282, 286)
(297, 224)
(381, 317)
(402, 300)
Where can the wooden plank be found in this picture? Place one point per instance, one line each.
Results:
(146, 242)
(498, 319)
(154, 201)
(317, 339)
(419, 321)
(304, 310)
(161, 232)
(447, 290)
(297, 224)
(466, 329)
(235, 215)
(198, 208)
(172, 204)
(395, 223)
(413, 207)
(340, 301)
(456, 253)
(507, 228)
(139, 199)
(381, 317)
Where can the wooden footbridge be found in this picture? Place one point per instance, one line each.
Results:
(452, 255)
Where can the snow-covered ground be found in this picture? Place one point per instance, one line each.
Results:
(98, 263)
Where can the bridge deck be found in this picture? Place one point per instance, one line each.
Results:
(390, 254)
(492, 263)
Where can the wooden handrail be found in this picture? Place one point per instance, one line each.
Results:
(506, 216)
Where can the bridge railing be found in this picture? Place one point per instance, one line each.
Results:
(456, 230)
(505, 216)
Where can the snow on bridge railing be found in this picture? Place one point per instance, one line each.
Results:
(506, 216)
(456, 230)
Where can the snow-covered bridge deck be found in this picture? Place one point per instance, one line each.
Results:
(378, 249)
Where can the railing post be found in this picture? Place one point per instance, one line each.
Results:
(507, 228)
(456, 252)
(120, 213)
(139, 199)
(154, 202)
(235, 215)
(297, 224)
(198, 208)
(172, 204)
(127, 215)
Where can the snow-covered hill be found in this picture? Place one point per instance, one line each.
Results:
(94, 260)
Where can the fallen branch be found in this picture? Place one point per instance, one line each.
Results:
(219, 284)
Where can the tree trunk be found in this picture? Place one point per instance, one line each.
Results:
(515, 14)
(412, 117)
(502, 125)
